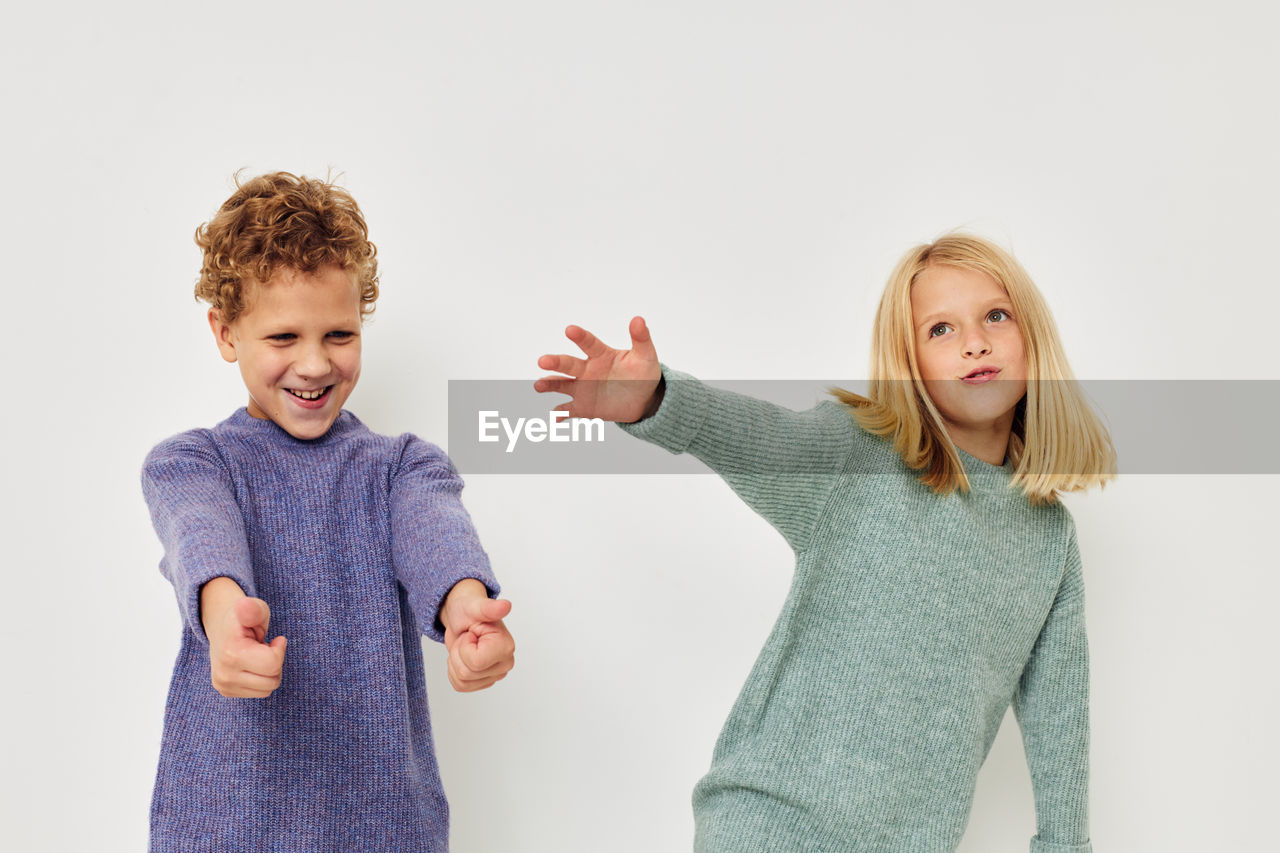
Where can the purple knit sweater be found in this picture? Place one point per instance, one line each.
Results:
(354, 539)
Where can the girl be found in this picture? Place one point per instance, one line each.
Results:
(937, 576)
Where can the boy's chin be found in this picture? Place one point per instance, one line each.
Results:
(302, 428)
(306, 429)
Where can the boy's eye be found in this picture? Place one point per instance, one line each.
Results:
(282, 338)
(342, 336)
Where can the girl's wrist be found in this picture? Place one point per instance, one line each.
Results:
(655, 400)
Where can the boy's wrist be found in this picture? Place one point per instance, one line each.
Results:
(462, 590)
(216, 597)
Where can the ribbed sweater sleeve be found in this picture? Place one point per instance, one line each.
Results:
(434, 545)
(1052, 707)
(781, 462)
(195, 514)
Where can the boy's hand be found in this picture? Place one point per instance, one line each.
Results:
(611, 384)
(241, 664)
(481, 649)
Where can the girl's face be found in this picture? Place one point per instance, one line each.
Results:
(969, 349)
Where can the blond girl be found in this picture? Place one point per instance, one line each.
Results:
(937, 580)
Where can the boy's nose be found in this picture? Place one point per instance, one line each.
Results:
(311, 362)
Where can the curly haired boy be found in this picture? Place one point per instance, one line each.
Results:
(291, 518)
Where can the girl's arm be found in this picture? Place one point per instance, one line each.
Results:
(782, 463)
(1052, 708)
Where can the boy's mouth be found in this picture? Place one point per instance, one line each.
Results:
(310, 396)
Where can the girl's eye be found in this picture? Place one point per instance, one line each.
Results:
(933, 331)
(1003, 313)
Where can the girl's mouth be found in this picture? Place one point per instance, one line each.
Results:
(984, 375)
(313, 399)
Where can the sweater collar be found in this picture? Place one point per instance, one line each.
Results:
(269, 429)
(983, 475)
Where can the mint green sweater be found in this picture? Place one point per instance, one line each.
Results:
(913, 621)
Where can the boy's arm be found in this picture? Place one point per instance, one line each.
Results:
(1052, 707)
(433, 542)
(195, 515)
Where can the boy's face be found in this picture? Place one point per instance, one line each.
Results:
(298, 346)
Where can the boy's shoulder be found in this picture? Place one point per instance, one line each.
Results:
(196, 443)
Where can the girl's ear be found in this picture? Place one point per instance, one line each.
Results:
(223, 335)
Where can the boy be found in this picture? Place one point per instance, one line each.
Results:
(291, 516)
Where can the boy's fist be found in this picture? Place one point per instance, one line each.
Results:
(481, 649)
(241, 664)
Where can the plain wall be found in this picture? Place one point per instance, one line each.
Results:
(742, 174)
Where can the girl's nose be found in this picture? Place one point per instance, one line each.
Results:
(977, 344)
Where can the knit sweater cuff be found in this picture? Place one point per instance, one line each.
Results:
(678, 419)
(1038, 846)
(429, 622)
(189, 594)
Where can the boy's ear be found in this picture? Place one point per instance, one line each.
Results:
(222, 335)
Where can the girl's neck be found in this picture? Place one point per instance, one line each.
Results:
(990, 445)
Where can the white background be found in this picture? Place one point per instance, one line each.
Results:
(744, 174)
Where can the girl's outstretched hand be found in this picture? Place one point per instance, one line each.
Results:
(610, 384)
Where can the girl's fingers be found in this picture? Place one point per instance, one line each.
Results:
(587, 342)
(554, 385)
(641, 341)
(563, 364)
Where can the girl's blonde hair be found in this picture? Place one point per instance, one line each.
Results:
(1058, 444)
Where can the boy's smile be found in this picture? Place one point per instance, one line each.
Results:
(298, 346)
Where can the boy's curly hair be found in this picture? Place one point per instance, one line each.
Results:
(281, 220)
